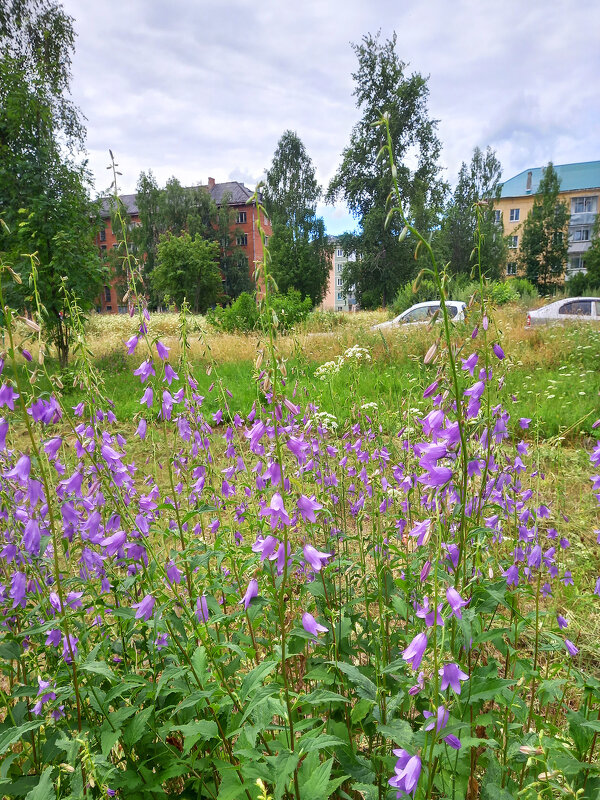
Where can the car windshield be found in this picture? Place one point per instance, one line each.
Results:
(419, 314)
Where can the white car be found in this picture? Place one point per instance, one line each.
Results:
(422, 313)
(569, 308)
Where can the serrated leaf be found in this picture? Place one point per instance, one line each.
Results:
(399, 731)
(108, 739)
(360, 710)
(12, 735)
(45, 789)
(487, 688)
(315, 787)
(256, 676)
(200, 729)
(366, 688)
(321, 696)
(137, 726)
(320, 742)
(98, 668)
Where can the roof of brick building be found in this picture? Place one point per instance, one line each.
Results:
(237, 194)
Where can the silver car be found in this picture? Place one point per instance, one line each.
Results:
(422, 313)
(569, 308)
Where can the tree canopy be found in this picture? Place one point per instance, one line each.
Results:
(300, 251)
(176, 209)
(187, 269)
(479, 182)
(44, 190)
(544, 244)
(364, 183)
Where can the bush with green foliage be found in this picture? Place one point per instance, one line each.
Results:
(242, 316)
(461, 290)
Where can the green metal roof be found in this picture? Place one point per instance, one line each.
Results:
(573, 177)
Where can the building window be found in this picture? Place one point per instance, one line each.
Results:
(340, 253)
(242, 240)
(266, 241)
(511, 268)
(340, 296)
(581, 235)
(115, 245)
(513, 242)
(241, 217)
(576, 263)
(339, 281)
(497, 217)
(103, 235)
(340, 308)
(580, 205)
(103, 249)
(514, 214)
(107, 294)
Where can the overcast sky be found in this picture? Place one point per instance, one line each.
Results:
(194, 89)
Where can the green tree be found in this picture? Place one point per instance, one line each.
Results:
(544, 244)
(187, 269)
(477, 182)
(44, 191)
(363, 181)
(300, 251)
(177, 209)
(232, 259)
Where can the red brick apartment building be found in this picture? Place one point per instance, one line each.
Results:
(247, 238)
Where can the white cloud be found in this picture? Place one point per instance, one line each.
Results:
(194, 89)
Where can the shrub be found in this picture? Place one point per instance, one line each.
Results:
(290, 308)
(524, 288)
(241, 316)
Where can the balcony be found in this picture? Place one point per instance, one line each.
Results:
(583, 218)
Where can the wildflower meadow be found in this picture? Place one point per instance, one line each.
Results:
(287, 603)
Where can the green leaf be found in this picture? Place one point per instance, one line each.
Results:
(315, 787)
(137, 726)
(45, 789)
(12, 735)
(321, 696)
(282, 767)
(10, 651)
(399, 731)
(360, 710)
(201, 729)
(365, 687)
(487, 688)
(108, 739)
(98, 668)
(259, 696)
(256, 676)
(199, 663)
(320, 742)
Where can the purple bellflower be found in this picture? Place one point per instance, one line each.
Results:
(452, 675)
(310, 625)
(251, 593)
(315, 558)
(414, 652)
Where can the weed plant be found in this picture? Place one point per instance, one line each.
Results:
(287, 603)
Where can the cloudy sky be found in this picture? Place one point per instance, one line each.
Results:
(193, 88)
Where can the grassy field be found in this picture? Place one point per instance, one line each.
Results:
(552, 373)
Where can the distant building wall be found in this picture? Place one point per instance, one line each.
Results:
(336, 299)
(581, 197)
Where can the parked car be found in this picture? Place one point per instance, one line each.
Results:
(569, 308)
(422, 313)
